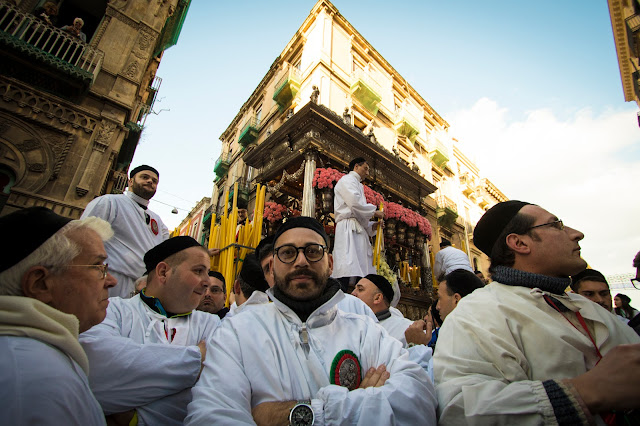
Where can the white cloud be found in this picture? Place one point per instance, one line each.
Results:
(580, 169)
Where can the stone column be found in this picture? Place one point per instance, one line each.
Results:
(308, 193)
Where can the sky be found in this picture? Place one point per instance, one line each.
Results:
(531, 90)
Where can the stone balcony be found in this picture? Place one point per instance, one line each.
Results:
(287, 87)
(366, 90)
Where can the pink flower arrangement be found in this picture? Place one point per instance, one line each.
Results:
(372, 196)
(411, 218)
(326, 177)
(274, 212)
(424, 226)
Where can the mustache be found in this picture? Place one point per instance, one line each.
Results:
(291, 275)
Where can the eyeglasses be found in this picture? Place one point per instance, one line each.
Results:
(104, 269)
(215, 290)
(556, 224)
(288, 253)
(635, 282)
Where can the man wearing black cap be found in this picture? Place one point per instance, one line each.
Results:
(53, 284)
(521, 350)
(250, 287)
(300, 358)
(148, 352)
(448, 259)
(137, 229)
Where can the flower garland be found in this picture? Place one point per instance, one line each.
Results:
(327, 178)
(274, 212)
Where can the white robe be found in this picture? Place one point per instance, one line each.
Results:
(501, 342)
(354, 305)
(352, 252)
(132, 238)
(256, 298)
(265, 358)
(449, 259)
(42, 378)
(137, 365)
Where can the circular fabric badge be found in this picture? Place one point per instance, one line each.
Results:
(346, 370)
(154, 226)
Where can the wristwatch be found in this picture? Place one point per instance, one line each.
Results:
(301, 414)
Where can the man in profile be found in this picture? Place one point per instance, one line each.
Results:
(352, 249)
(53, 284)
(456, 285)
(148, 352)
(522, 351)
(137, 229)
(302, 358)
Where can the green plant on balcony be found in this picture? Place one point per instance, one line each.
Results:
(222, 165)
(366, 90)
(249, 133)
(287, 88)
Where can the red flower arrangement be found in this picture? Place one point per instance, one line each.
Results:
(411, 218)
(326, 177)
(372, 196)
(274, 212)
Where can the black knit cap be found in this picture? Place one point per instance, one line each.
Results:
(265, 241)
(383, 284)
(142, 168)
(252, 273)
(167, 248)
(24, 231)
(589, 275)
(302, 222)
(493, 222)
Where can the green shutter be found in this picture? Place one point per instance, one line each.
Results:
(172, 28)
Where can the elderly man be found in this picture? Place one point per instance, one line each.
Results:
(147, 354)
(352, 249)
(137, 229)
(214, 296)
(53, 284)
(521, 350)
(301, 360)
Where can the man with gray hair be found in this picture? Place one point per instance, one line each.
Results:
(53, 284)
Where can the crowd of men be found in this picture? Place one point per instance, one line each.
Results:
(294, 348)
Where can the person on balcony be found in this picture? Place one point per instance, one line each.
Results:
(352, 248)
(448, 259)
(76, 29)
(48, 13)
(137, 229)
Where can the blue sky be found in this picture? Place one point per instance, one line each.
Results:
(531, 90)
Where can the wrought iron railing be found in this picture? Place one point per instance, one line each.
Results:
(55, 42)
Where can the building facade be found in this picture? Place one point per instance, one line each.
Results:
(72, 111)
(330, 97)
(197, 223)
(625, 23)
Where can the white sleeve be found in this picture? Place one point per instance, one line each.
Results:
(406, 397)
(350, 192)
(125, 374)
(227, 401)
(423, 356)
(473, 389)
(437, 265)
(170, 410)
(101, 207)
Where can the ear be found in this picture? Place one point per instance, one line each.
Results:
(163, 270)
(378, 298)
(34, 284)
(236, 287)
(456, 298)
(330, 263)
(518, 244)
(130, 182)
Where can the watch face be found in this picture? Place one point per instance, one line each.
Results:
(301, 415)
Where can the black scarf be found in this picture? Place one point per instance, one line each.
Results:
(383, 315)
(305, 308)
(516, 277)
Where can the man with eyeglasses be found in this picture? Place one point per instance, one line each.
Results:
(53, 284)
(148, 352)
(523, 351)
(214, 296)
(137, 229)
(302, 361)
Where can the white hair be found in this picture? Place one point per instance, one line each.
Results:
(55, 253)
(78, 20)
